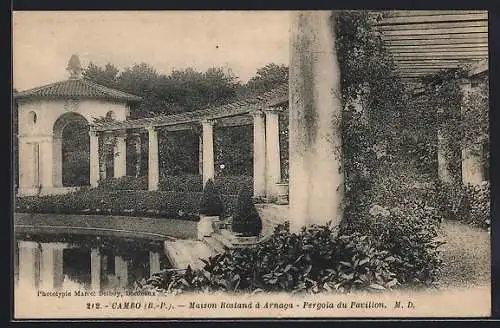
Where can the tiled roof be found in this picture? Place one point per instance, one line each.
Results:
(76, 88)
(243, 107)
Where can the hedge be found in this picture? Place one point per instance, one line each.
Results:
(227, 185)
(172, 205)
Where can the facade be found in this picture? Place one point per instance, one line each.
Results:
(44, 112)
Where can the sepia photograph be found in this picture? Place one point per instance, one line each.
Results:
(251, 164)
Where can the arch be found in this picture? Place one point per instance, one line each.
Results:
(71, 152)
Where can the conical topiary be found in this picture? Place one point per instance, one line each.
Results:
(211, 203)
(246, 220)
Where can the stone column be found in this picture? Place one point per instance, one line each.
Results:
(138, 152)
(57, 161)
(472, 170)
(28, 253)
(94, 158)
(316, 176)
(273, 165)
(208, 151)
(51, 265)
(120, 155)
(121, 271)
(259, 154)
(95, 269)
(153, 165)
(200, 155)
(154, 263)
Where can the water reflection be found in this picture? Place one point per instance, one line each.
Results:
(54, 262)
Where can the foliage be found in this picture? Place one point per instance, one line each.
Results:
(170, 205)
(246, 220)
(312, 261)
(125, 183)
(268, 77)
(181, 183)
(211, 204)
(468, 204)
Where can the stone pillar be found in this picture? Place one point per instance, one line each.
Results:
(120, 155)
(51, 265)
(154, 263)
(28, 253)
(121, 271)
(57, 161)
(208, 151)
(316, 176)
(153, 165)
(46, 162)
(259, 154)
(472, 170)
(95, 269)
(138, 153)
(273, 165)
(200, 155)
(94, 158)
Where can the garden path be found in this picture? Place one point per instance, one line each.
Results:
(466, 256)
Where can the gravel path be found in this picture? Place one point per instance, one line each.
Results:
(466, 256)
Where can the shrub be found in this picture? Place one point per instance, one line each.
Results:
(181, 183)
(172, 205)
(246, 220)
(468, 204)
(314, 260)
(232, 184)
(125, 183)
(211, 203)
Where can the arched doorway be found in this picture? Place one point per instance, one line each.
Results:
(72, 150)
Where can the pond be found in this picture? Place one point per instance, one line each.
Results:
(48, 262)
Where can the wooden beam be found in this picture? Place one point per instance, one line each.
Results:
(437, 31)
(424, 13)
(454, 47)
(235, 121)
(438, 42)
(441, 52)
(433, 25)
(446, 36)
(450, 55)
(434, 18)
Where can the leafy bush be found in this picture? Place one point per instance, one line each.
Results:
(181, 183)
(468, 204)
(125, 183)
(172, 205)
(211, 203)
(246, 220)
(314, 260)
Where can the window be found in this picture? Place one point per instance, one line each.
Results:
(32, 117)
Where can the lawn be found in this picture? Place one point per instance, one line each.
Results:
(105, 225)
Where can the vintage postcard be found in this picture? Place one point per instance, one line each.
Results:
(251, 164)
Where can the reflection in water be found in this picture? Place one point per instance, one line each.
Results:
(69, 262)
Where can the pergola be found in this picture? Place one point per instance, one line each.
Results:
(261, 111)
(422, 43)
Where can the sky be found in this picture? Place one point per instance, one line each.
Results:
(43, 42)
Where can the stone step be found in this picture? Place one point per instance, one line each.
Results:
(214, 244)
(184, 252)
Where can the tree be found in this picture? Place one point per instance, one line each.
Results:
(246, 221)
(106, 76)
(268, 78)
(211, 203)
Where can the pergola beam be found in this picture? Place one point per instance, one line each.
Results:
(434, 18)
